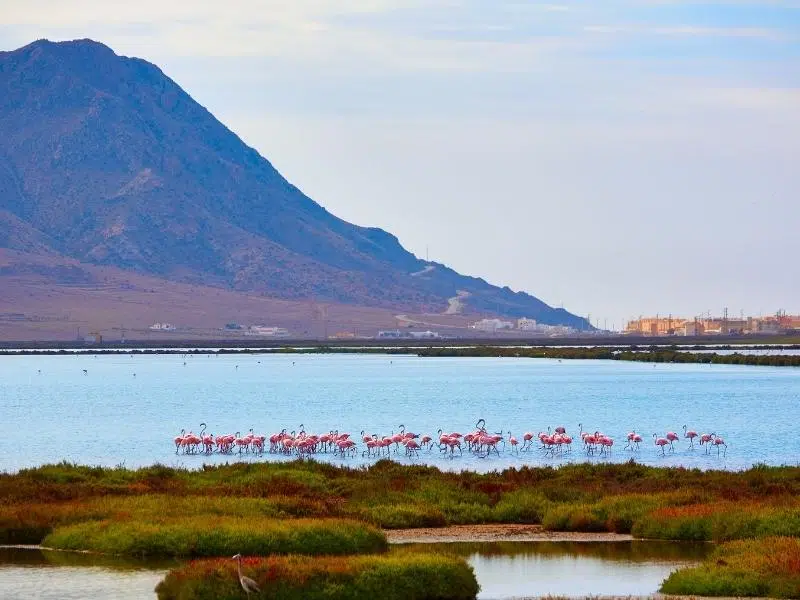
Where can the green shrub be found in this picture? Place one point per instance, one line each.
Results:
(521, 506)
(462, 513)
(221, 536)
(581, 517)
(764, 567)
(404, 516)
(719, 522)
(407, 577)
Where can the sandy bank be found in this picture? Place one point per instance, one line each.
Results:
(495, 533)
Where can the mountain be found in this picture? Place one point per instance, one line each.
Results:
(107, 161)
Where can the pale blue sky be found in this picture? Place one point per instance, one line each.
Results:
(621, 157)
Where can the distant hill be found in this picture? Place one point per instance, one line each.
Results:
(106, 160)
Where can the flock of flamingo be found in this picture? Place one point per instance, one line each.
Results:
(479, 442)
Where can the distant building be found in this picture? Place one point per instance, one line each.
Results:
(424, 335)
(525, 324)
(261, 330)
(659, 326)
(94, 337)
(343, 335)
(691, 328)
(491, 325)
(770, 326)
(655, 326)
(163, 327)
(391, 334)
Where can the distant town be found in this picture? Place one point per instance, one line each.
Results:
(777, 324)
(656, 326)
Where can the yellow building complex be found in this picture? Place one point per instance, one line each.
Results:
(662, 326)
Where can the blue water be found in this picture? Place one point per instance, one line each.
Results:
(51, 411)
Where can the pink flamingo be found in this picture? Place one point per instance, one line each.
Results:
(660, 442)
(444, 440)
(206, 440)
(469, 438)
(513, 441)
(548, 443)
(179, 440)
(718, 441)
(372, 444)
(629, 438)
(672, 437)
(491, 441)
(606, 443)
(454, 443)
(241, 442)
(691, 435)
(412, 447)
(346, 446)
(396, 439)
(590, 441)
(527, 440)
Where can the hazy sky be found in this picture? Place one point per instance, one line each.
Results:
(617, 157)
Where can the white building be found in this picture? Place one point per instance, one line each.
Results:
(525, 324)
(424, 335)
(267, 331)
(492, 325)
(391, 334)
(163, 327)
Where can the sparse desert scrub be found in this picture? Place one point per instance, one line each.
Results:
(407, 577)
(765, 567)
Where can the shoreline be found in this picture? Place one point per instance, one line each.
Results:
(496, 533)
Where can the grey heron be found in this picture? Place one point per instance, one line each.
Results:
(248, 585)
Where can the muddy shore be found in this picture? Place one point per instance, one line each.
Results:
(495, 533)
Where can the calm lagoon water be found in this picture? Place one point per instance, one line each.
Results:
(27, 574)
(572, 569)
(127, 409)
(504, 570)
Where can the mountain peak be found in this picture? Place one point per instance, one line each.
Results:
(110, 162)
(82, 47)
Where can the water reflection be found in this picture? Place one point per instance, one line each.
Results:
(504, 570)
(44, 575)
(574, 569)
